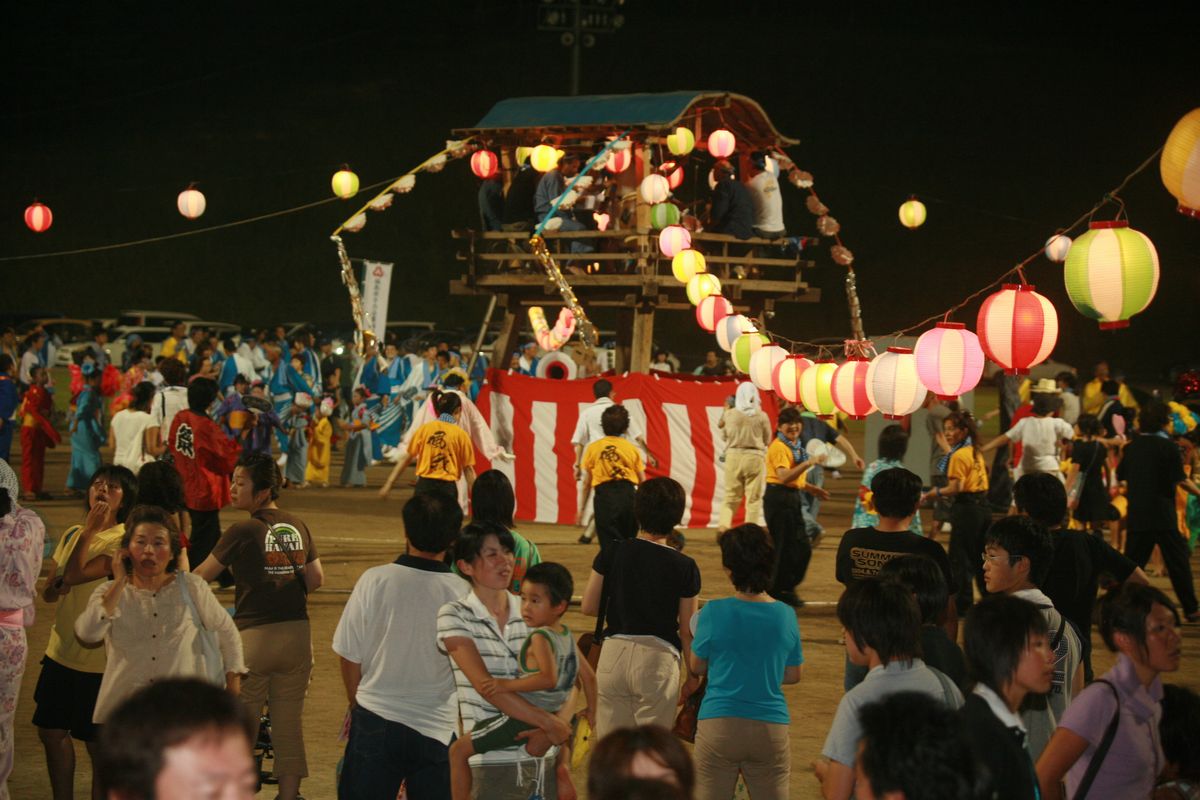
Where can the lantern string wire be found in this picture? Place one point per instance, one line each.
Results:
(167, 237)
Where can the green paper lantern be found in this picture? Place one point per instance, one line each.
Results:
(745, 346)
(663, 215)
(1111, 273)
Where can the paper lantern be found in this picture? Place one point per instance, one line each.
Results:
(654, 189)
(1180, 163)
(191, 203)
(675, 178)
(664, 214)
(681, 142)
(721, 143)
(674, 239)
(1111, 273)
(618, 160)
(701, 285)
(1017, 328)
(912, 214)
(816, 387)
(687, 264)
(345, 183)
(763, 363)
(484, 164)
(38, 218)
(1057, 247)
(785, 378)
(544, 158)
(849, 388)
(744, 348)
(893, 385)
(712, 310)
(521, 154)
(949, 360)
(730, 328)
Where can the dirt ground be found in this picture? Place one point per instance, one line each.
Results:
(355, 530)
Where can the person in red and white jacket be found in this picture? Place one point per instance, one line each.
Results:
(204, 457)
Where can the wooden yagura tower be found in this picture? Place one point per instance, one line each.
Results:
(627, 271)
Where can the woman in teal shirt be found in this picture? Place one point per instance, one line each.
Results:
(749, 646)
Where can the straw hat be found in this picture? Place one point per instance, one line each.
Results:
(1046, 386)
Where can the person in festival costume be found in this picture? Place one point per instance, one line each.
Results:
(285, 383)
(87, 432)
(613, 469)
(372, 377)
(358, 440)
(8, 406)
(296, 424)
(395, 410)
(232, 415)
(37, 433)
(319, 453)
(471, 421)
(442, 449)
(263, 420)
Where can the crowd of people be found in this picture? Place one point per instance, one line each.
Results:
(461, 676)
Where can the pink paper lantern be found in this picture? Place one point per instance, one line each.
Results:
(711, 310)
(721, 143)
(849, 388)
(785, 378)
(893, 385)
(675, 178)
(1017, 328)
(673, 239)
(762, 366)
(949, 360)
(484, 164)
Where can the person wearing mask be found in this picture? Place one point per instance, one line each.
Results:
(275, 566)
(746, 429)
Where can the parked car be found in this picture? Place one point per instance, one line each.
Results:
(154, 319)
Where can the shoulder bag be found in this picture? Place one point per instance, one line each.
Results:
(1102, 749)
(214, 663)
(590, 643)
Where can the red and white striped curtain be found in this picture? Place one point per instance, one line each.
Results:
(534, 418)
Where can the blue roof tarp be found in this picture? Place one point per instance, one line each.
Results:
(642, 110)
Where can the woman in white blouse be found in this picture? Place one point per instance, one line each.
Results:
(149, 628)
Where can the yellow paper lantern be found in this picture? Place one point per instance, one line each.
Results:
(681, 142)
(1180, 164)
(345, 184)
(912, 214)
(687, 264)
(544, 157)
(701, 286)
(521, 154)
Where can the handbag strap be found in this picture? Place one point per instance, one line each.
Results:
(606, 594)
(189, 602)
(1102, 749)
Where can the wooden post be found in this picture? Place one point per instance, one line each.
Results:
(642, 346)
(625, 323)
(506, 341)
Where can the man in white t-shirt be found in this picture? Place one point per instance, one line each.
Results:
(401, 689)
(768, 200)
(1038, 435)
(170, 400)
(588, 430)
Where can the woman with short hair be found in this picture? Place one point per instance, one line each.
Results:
(127, 430)
(749, 647)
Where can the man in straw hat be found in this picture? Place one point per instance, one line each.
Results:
(1038, 435)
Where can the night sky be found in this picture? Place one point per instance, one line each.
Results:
(1007, 125)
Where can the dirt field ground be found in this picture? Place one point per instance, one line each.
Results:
(355, 530)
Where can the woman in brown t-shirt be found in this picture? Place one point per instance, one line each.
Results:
(275, 565)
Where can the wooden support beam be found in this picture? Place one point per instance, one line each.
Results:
(510, 328)
(641, 349)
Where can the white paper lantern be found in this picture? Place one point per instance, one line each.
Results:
(191, 203)
(1057, 247)
(654, 189)
(762, 366)
(893, 385)
(730, 328)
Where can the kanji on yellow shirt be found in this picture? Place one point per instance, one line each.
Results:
(442, 450)
(612, 459)
(779, 456)
(970, 471)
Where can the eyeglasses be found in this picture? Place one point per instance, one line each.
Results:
(996, 559)
(108, 487)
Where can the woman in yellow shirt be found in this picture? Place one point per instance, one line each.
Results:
(613, 466)
(970, 516)
(787, 462)
(443, 450)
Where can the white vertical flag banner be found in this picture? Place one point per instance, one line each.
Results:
(376, 285)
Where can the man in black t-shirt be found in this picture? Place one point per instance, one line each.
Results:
(863, 551)
(1080, 558)
(1151, 468)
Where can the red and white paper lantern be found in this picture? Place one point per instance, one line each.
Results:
(785, 378)
(38, 218)
(949, 360)
(763, 363)
(849, 388)
(1017, 328)
(711, 310)
(484, 164)
(893, 385)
